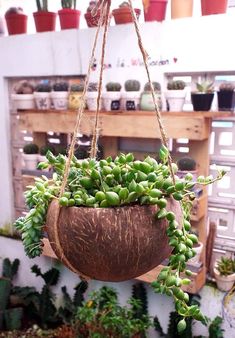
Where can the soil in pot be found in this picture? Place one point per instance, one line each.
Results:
(226, 100)
(69, 18)
(202, 101)
(156, 10)
(123, 15)
(44, 21)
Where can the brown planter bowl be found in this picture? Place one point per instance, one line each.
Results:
(92, 21)
(123, 15)
(110, 244)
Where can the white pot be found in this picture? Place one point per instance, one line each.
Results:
(23, 101)
(43, 100)
(30, 161)
(146, 101)
(60, 100)
(130, 101)
(111, 101)
(198, 250)
(224, 283)
(175, 99)
(91, 100)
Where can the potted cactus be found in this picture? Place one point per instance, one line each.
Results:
(123, 13)
(175, 95)
(75, 94)
(226, 96)
(112, 96)
(91, 96)
(23, 97)
(155, 10)
(69, 16)
(30, 156)
(146, 99)
(16, 21)
(44, 20)
(131, 97)
(203, 97)
(59, 95)
(224, 272)
(92, 19)
(42, 95)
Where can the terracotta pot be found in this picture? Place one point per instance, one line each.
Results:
(209, 7)
(181, 8)
(156, 10)
(110, 244)
(16, 23)
(123, 15)
(92, 21)
(44, 21)
(69, 18)
(224, 283)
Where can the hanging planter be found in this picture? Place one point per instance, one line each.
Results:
(181, 8)
(16, 21)
(123, 14)
(92, 19)
(155, 10)
(209, 7)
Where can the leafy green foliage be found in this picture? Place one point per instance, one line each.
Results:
(205, 87)
(215, 330)
(225, 266)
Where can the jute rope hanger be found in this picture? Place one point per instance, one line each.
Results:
(104, 7)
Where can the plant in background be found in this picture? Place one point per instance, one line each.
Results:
(146, 100)
(24, 87)
(156, 87)
(92, 87)
(30, 148)
(42, 5)
(44, 149)
(43, 88)
(227, 86)
(77, 87)
(225, 266)
(61, 87)
(69, 4)
(132, 86)
(104, 183)
(14, 10)
(176, 85)
(205, 87)
(186, 164)
(113, 87)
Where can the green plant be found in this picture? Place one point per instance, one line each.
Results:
(205, 87)
(44, 149)
(156, 87)
(215, 330)
(24, 87)
(43, 87)
(77, 87)
(122, 181)
(226, 87)
(176, 85)
(42, 5)
(139, 293)
(113, 87)
(186, 164)
(225, 266)
(30, 148)
(92, 87)
(132, 86)
(102, 316)
(61, 87)
(68, 4)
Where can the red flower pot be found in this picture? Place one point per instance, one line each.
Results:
(123, 15)
(44, 21)
(69, 18)
(156, 10)
(16, 23)
(209, 7)
(92, 21)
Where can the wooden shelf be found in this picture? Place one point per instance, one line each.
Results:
(142, 124)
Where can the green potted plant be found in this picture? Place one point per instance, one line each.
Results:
(75, 95)
(112, 96)
(131, 96)
(44, 20)
(155, 10)
(146, 99)
(30, 156)
(16, 21)
(69, 16)
(23, 95)
(224, 272)
(59, 95)
(91, 96)
(187, 164)
(202, 98)
(123, 13)
(175, 95)
(226, 96)
(42, 95)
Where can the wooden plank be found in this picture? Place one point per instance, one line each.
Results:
(199, 208)
(120, 124)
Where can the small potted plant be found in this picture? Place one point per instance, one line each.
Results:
(91, 96)
(69, 16)
(75, 94)
(30, 156)
(155, 10)
(59, 95)
(224, 272)
(44, 20)
(42, 95)
(111, 98)
(146, 99)
(16, 21)
(23, 97)
(202, 98)
(42, 154)
(226, 96)
(123, 13)
(175, 95)
(131, 97)
(92, 19)
(187, 165)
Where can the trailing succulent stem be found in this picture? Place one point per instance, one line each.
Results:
(118, 182)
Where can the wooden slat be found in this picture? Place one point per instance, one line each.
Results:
(199, 208)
